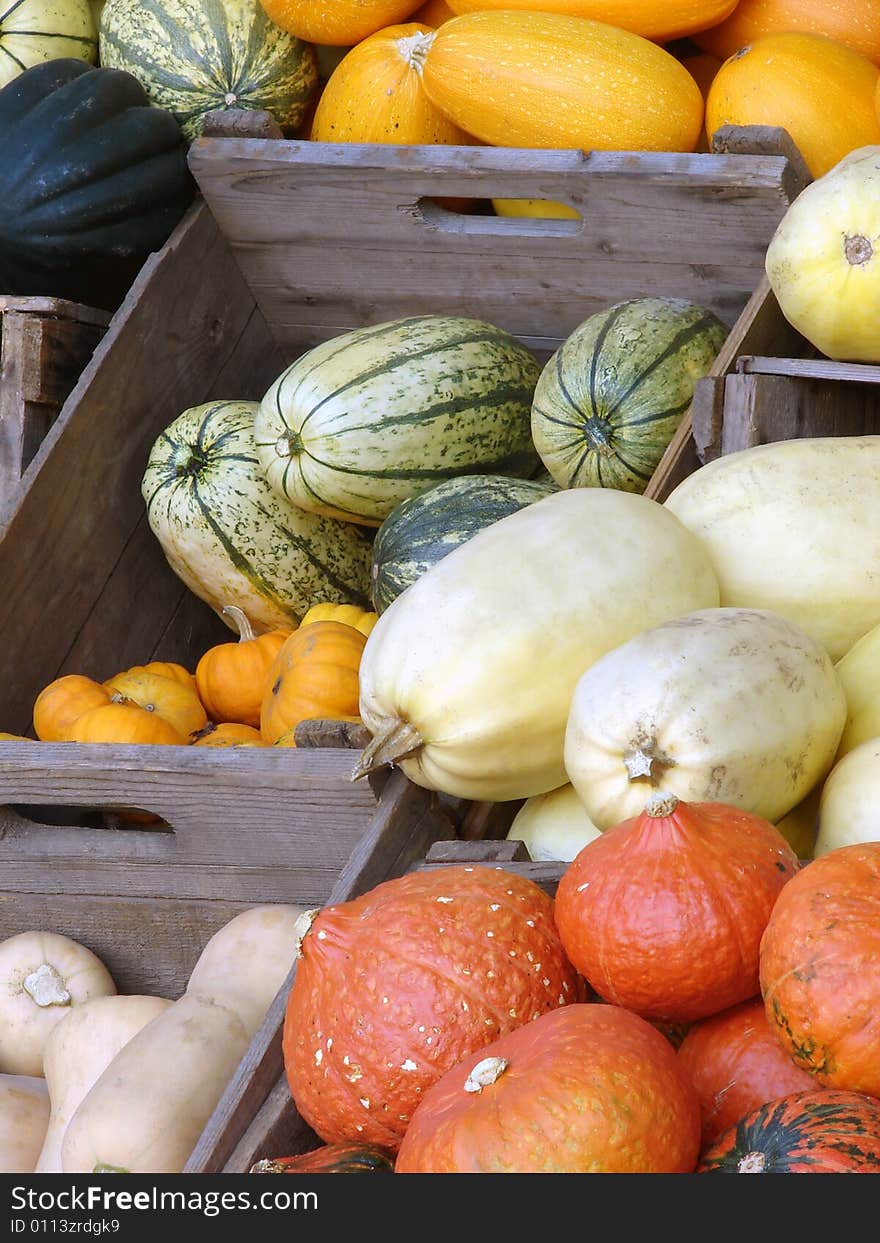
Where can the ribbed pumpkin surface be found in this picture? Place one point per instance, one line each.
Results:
(372, 417)
(807, 1133)
(662, 20)
(853, 22)
(819, 90)
(423, 530)
(610, 398)
(32, 31)
(542, 80)
(339, 22)
(229, 537)
(194, 56)
(375, 94)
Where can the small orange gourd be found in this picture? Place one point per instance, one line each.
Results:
(124, 723)
(375, 94)
(167, 669)
(229, 734)
(59, 705)
(315, 675)
(340, 23)
(231, 677)
(177, 704)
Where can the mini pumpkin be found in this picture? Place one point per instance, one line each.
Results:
(167, 669)
(124, 723)
(314, 676)
(229, 734)
(60, 704)
(168, 698)
(231, 677)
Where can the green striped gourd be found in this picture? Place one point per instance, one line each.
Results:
(368, 419)
(609, 400)
(423, 530)
(32, 31)
(230, 538)
(194, 56)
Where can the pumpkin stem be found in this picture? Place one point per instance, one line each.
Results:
(395, 744)
(485, 1073)
(301, 928)
(242, 624)
(660, 805)
(752, 1163)
(645, 760)
(858, 250)
(45, 987)
(414, 49)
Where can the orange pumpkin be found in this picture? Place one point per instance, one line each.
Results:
(736, 1064)
(375, 94)
(523, 79)
(124, 723)
(664, 913)
(662, 20)
(587, 1089)
(340, 23)
(819, 976)
(853, 22)
(59, 705)
(167, 669)
(177, 704)
(314, 675)
(231, 677)
(229, 734)
(818, 90)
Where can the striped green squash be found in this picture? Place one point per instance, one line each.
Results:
(609, 400)
(426, 528)
(193, 56)
(230, 538)
(368, 419)
(32, 31)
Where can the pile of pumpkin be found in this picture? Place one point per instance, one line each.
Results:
(252, 693)
(97, 1081)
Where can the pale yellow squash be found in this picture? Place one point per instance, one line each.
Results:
(859, 673)
(732, 706)
(42, 976)
(823, 262)
(24, 1116)
(849, 810)
(78, 1052)
(800, 825)
(467, 678)
(553, 826)
(794, 527)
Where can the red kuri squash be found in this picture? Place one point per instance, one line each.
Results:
(395, 987)
(588, 1089)
(819, 968)
(664, 913)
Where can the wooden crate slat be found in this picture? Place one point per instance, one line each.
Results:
(810, 369)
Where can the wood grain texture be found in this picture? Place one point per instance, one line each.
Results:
(760, 409)
(496, 851)
(810, 369)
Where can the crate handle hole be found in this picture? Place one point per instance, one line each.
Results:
(455, 215)
(124, 818)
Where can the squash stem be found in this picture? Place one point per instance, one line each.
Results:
(396, 744)
(242, 624)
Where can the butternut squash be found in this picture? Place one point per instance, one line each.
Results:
(859, 673)
(24, 1116)
(732, 706)
(467, 677)
(42, 975)
(78, 1051)
(663, 20)
(849, 809)
(553, 826)
(524, 79)
(794, 527)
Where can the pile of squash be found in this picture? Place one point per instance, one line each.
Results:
(251, 693)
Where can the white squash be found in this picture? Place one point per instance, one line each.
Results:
(730, 706)
(823, 262)
(42, 974)
(794, 527)
(467, 677)
(859, 673)
(849, 810)
(245, 963)
(79, 1050)
(149, 1107)
(24, 1116)
(553, 826)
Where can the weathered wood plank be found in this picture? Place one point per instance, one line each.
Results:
(502, 851)
(810, 369)
(545, 874)
(55, 308)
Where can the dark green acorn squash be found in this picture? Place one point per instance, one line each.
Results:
(94, 178)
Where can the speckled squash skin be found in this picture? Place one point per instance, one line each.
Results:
(32, 31)
(395, 987)
(819, 977)
(664, 913)
(228, 536)
(588, 1089)
(194, 56)
(610, 399)
(807, 1133)
(736, 1064)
